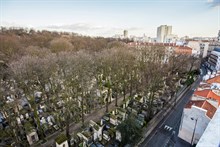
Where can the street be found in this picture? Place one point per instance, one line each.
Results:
(161, 136)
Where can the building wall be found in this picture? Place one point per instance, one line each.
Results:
(169, 30)
(211, 136)
(125, 34)
(162, 32)
(204, 46)
(159, 34)
(201, 47)
(194, 45)
(171, 38)
(187, 124)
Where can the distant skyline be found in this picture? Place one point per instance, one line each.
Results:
(194, 18)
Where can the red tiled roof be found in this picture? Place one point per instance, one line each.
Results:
(183, 50)
(204, 105)
(210, 109)
(214, 80)
(207, 93)
(151, 44)
(184, 47)
(179, 49)
(197, 103)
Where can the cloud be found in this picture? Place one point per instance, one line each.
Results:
(83, 28)
(214, 3)
(11, 24)
(91, 29)
(76, 27)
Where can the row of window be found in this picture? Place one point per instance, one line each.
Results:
(213, 56)
(213, 60)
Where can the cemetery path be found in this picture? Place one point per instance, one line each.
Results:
(95, 115)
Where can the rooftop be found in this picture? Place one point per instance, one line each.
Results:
(94, 125)
(204, 105)
(208, 93)
(197, 103)
(184, 47)
(214, 80)
(217, 49)
(86, 133)
(159, 44)
(215, 53)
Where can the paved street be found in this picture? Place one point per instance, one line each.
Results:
(161, 137)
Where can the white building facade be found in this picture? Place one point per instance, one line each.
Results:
(211, 136)
(194, 122)
(204, 46)
(162, 32)
(171, 38)
(200, 48)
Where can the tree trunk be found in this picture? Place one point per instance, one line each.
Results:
(131, 86)
(37, 122)
(124, 94)
(67, 127)
(82, 107)
(107, 102)
(151, 98)
(106, 105)
(116, 99)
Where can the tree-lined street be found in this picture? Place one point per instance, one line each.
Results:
(161, 136)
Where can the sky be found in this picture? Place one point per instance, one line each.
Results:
(106, 18)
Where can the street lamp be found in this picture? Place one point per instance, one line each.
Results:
(196, 119)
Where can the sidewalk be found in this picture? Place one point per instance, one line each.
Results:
(161, 115)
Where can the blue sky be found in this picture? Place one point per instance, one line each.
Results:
(109, 17)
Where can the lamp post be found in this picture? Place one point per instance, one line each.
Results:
(193, 129)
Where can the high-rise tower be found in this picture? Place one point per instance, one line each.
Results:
(125, 33)
(162, 32)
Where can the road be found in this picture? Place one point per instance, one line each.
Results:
(160, 137)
